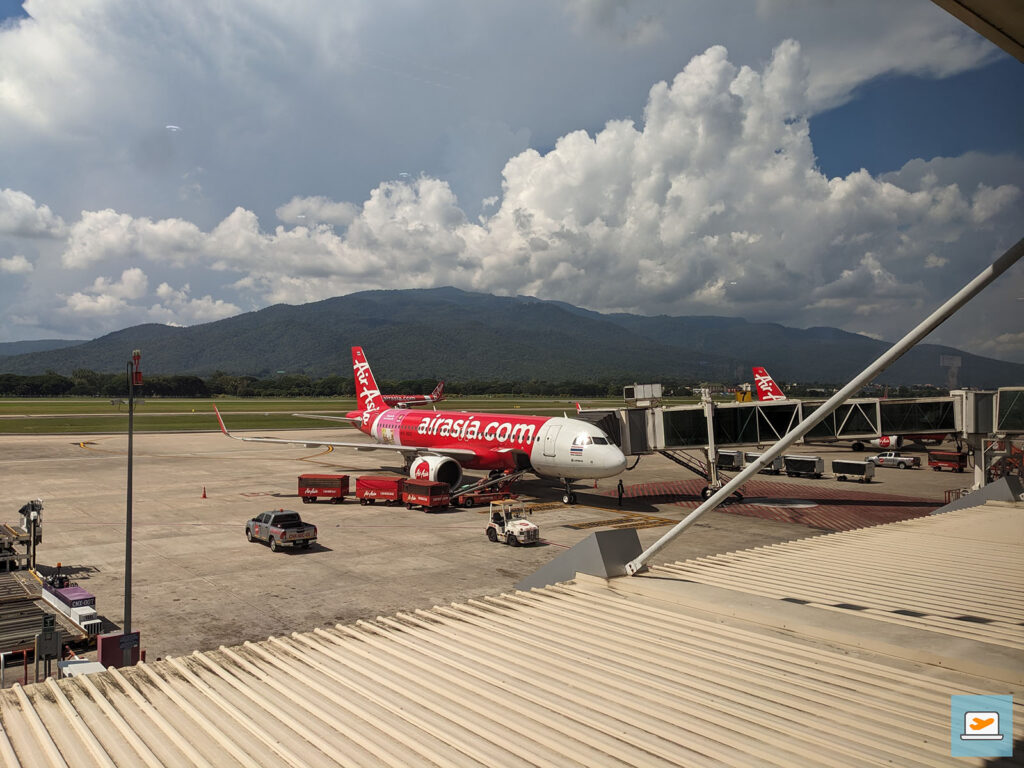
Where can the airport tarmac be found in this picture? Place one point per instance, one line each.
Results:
(199, 584)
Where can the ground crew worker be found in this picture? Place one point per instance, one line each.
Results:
(621, 491)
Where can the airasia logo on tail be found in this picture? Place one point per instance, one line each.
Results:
(767, 389)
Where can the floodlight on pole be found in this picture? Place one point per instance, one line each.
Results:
(134, 380)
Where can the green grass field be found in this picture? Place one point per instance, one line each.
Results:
(99, 415)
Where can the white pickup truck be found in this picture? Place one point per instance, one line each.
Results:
(894, 459)
(280, 528)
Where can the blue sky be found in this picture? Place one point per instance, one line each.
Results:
(891, 120)
(182, 162)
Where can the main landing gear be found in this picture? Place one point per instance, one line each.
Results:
(568, 497)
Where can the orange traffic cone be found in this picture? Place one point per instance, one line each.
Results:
(204, 493)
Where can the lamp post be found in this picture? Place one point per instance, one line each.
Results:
(134, 380)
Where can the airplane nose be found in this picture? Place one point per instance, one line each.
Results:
(617, 459)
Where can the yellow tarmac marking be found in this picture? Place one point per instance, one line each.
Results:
(626, 519)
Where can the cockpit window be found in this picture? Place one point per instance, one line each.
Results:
(600, 441)
(583, 439)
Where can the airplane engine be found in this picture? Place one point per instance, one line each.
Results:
(885, 441)
(438, 468)
(888, 441)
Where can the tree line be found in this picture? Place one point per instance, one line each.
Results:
(87, 383)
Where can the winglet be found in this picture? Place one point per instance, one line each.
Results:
(579, 408)
(223, 428)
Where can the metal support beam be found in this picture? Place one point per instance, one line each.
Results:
(889, 357)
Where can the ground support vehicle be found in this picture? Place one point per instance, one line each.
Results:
(894, 459)
(951, 460)
(280, 528)
(73, 601)
(862, 471)
(428, 495)
(383, 488)
(479, 498)
(313, 487)
(508, 524)
(774, 468)
(803, 466)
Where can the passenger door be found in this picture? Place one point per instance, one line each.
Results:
(550, 436)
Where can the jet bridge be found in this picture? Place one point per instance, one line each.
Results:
(641, 431)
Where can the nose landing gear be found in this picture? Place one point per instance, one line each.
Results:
(568, 497)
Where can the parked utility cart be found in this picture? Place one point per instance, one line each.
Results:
(854, 470)
(803, 466)
(894, 459)
(313, 487)
(774, 467)
(428, 495)
(730, 460)
(508, 524)
(280, 528)
(951, 460)
(386, 489)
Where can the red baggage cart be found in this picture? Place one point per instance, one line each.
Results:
(427, 494)
(373, 488)
(313, 487)
(951, 460)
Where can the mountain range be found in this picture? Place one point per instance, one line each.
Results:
(457, 335)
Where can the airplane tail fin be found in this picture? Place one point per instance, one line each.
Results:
(438, 394)
(767, 389)
(367, 394)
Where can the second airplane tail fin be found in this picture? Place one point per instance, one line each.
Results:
(368, 396)
(766, 387)
(438, 394)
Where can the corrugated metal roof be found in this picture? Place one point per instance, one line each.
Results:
(584, 673)
(959, 574)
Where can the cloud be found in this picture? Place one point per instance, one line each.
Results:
(106, 297)
(310, 211)
(103, 235)
(176, 308)
(16, 265)
(713, 204)
(132, 285)
(21, 217)
(88, 88)
(1005, 345)
(707, 200)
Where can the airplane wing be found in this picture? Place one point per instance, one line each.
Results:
(348, 417)
(455, 453)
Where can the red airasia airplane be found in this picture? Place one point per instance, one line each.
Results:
(438, 445)
(401, 401)
(768, 390)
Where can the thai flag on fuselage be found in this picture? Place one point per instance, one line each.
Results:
(576, 450)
